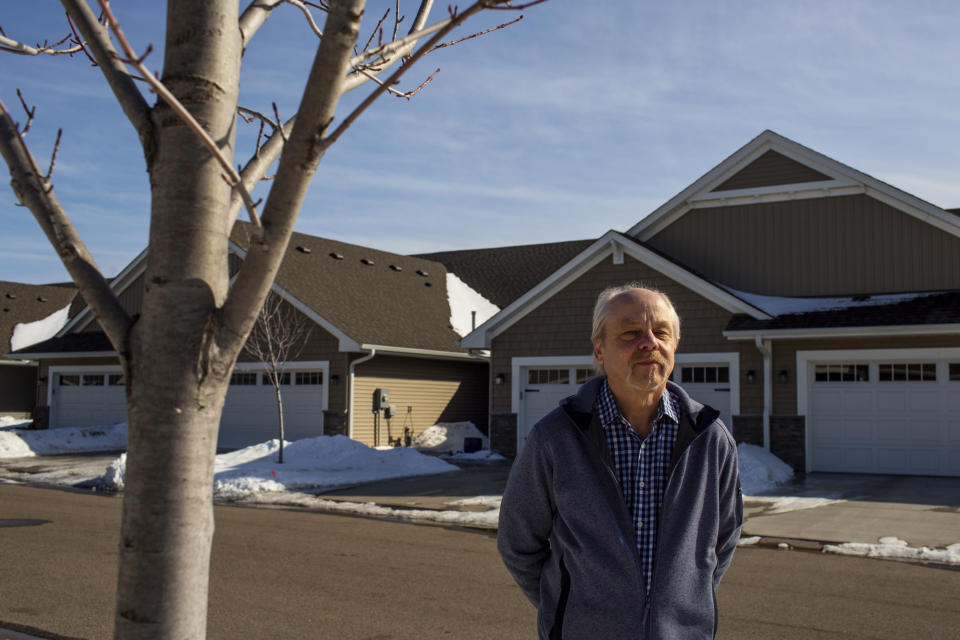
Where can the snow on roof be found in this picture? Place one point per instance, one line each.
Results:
(778, 305)
(464, 300)
(28, 333)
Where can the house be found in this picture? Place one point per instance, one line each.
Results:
(378, 321)
(28, 313)
(820, 310)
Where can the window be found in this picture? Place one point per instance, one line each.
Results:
(309, 377)
(842, 373)
(955, 371)
(69, 381)
(714, 375)
(243, 378)
(92, 381)
(548, 376)
(908, 371)
(116, 380)
(584, 374)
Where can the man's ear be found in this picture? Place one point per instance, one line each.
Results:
(598, 352)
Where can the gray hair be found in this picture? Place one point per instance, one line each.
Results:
(605, 300)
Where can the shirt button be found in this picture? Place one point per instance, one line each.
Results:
(643, 484)
(640, 525)
(643, 445)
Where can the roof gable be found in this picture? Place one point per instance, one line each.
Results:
(772, 168)
(613, 245)
(22, 303)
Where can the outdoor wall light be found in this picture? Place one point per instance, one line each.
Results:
(783, 376)
(751, 375)
(335, 379)
(500, 378)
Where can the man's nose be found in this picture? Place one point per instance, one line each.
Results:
(647, 341)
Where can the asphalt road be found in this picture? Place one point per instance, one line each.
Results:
(293, 574)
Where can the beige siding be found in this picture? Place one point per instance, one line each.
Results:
(770, 169)
(131, 300)
(432, 390)
(817, 247)
(561, 325)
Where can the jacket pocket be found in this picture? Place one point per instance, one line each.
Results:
(556, 630)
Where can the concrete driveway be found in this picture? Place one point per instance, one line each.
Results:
(924, 511)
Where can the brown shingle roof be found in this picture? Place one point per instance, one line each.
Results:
(374, 297)
(939, 308)
(503, 274)
(21, 302)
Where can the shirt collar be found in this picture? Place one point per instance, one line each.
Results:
(610, 415)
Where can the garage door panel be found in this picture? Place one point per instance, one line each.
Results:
(925, 401)
(857, 400)
(951, 400)
(892, 400)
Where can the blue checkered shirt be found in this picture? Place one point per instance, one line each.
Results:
(642, 466)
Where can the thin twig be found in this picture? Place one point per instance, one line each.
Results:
(283, 135)
(510, 7)
(79, 40)
(191, 122)
(30, 113)
(397, 19)
(53, 157)
(306, 12)
(479, 33)
(13, 46)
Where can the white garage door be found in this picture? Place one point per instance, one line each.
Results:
(82, 398)
(250, 413)
(709, 384)
(86, 399)
(542, 389)
(885, 416)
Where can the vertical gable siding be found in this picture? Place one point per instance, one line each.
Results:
(561, 326)
(434, 390)
(771, 169)
(131, 299)
(817, 247)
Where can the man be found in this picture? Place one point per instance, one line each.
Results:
(623, 509)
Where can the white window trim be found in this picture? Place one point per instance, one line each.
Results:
(850, 356)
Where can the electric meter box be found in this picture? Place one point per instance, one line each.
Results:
(381, 399)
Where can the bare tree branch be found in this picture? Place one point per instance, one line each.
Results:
(302, 153)
(12, 46)
(36, 193)
(98, 43)
(257, 13)
(232, 178)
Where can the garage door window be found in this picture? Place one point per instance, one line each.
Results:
(116, 380)
(69, 381)
(908, 372)
(955, 371)
(705, 374)
(842, 373)
(309, 377)
(243, 378)
(283, 377)
(584, 374)
(548, 376)
(92, 381)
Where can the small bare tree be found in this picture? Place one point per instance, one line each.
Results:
(179, 352)
(278, 336)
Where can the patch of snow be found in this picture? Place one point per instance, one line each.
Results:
(748, 541)
(481, 519)
(483, 456)
(21, 443)
(786, 504)
(493, 502)
(28, 333)
(9, 422)
(314, 464)
(760, 470)
(463, 299)
(777, 306)
(448, 437)
(891, 548)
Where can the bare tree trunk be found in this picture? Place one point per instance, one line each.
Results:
(276, 388)
(177, 378)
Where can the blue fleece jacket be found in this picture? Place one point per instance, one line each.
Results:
(567, 538)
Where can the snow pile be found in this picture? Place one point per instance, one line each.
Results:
(777, 305)
(448, 437)
(314, 464)
(892, 548)
(28, 333)
(760, 470)
(463, 300)
(477, 457)
(9, 422)
(20, 443)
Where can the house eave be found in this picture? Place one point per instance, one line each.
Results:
(433, 354)
(845, 332)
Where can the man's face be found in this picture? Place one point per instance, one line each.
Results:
(638, 343)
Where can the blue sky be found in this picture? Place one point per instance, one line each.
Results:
(574, 121)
